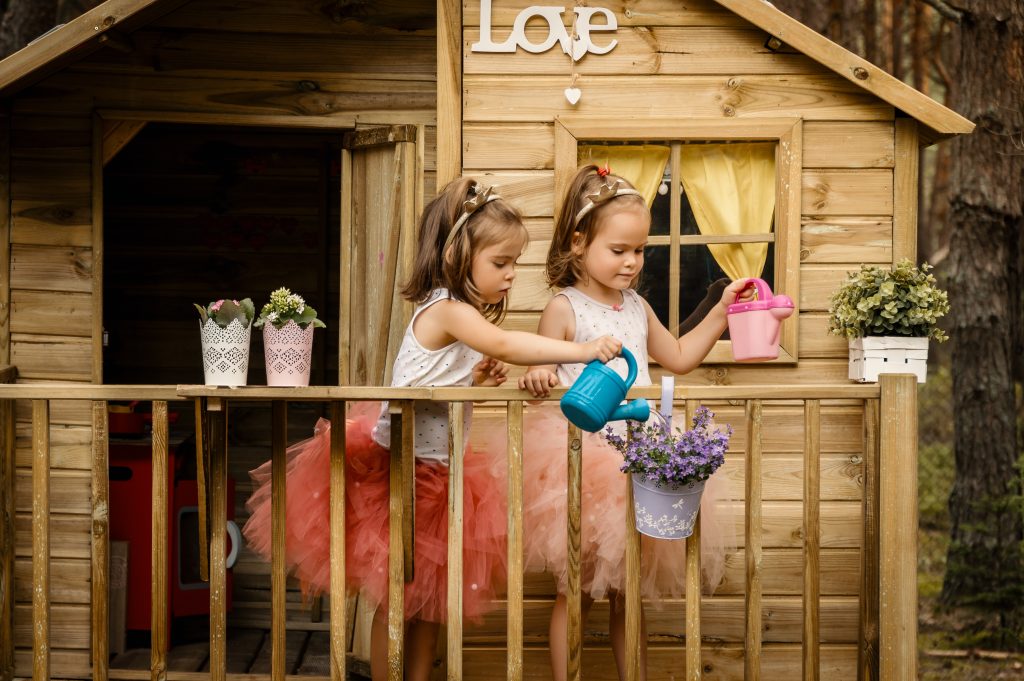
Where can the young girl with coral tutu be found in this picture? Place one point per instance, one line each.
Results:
(469, 242)
(595, 258)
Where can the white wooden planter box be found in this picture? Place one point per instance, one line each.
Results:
(870, 357)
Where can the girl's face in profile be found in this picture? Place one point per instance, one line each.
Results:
(494, 268)
(615, 257)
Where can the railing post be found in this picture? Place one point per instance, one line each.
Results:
(160, 529)
(752, 658)
(867, 654)
(812, 539)
(278, 570)
(898, 528)
(7, 538)
(217, 419)
(514, 667)
(339, 618)
(456, 423)
(573, 597)
(41, 540)
(694, 665)
(100, 543)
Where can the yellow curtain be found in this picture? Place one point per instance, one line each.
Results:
(643, 165)
(731, 189)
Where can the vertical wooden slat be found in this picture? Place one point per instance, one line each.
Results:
(158, 550)
(218, 424)
(752, 659)
(100, 543)
(905, 190)
(574, 602)
(40, 540)
(97, 249)
(449, 91)
(7, 540)
(566, 150)
(456, 421)
(202, 426)
(396, 556)
(812, 539)
(788, 187)
(278, 570)
(633, 604)
(694, 664)
(867, 654)
(5, 275)
(408, 490)
(339, 616)
(514, 417)
(898, 529)
(345, 269)
(675, 229)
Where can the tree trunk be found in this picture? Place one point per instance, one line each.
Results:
(985, 567)
(24, 21)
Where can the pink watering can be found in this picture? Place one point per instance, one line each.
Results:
(754, 325)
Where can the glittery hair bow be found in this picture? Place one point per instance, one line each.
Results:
(481, 197)
(605, 193)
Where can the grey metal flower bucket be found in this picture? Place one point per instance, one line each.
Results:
(666, 511)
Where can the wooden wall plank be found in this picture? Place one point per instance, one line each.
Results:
(70, 446)
(69, 580)
(516, 147)
(66, 491)
(627, 13)
(59, 358)
(51, 222)
(69, 624)
(838, 144)
(70, 533)
(47, 268)
(51, 313)
(846, 239)
(819, 282)
(5, 268)
(64, 663)
(847, 192)
(540, 98)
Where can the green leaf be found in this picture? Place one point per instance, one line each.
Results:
(202, 312)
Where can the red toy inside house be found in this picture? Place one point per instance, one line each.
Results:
(131, 480)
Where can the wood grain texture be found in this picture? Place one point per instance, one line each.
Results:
(752, 499)
(867, 649)
(396, 553)
(99, 559)
(339, 606)
(41, 540)
(96, 284)
(634, 605)
(278, 533)
(449, 91)
(8, 537)
(514, 621)
(905, 191)
(456, 468)
(159, 555)
(694, 615)
(812, 540)
(6, 226)
(218, 470)
(573, 596)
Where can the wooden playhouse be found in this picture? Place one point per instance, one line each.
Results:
(155, 153)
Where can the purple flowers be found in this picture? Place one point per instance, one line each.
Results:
(655, 453)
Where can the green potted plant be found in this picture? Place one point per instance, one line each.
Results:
(225, 327)
(288, 324)
(888, 315)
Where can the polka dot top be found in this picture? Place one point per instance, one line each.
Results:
(627, 322)
(416, 366)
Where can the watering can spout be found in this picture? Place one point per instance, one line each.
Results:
(637, 410)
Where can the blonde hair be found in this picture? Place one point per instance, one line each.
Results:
(438, 267)
(564, 267)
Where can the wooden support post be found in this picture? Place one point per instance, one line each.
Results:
(812, 539)
(278, 569)
(574, 601)
(694, 664)
(100, 592)
(449, 91)
(202, 425)
(633, 603)
(160, 532)
(218, 448)
(898, 528)
(339, 603)
(867, 653)
(408, 490)
(41, 540)
(7, 539)
(456, 425)
(752, 659)
(514, 418)
(396, 554)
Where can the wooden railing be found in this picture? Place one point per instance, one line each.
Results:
(888, 589)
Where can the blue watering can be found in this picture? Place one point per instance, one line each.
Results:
(596, 397)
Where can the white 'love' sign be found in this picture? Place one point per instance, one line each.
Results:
(557, 32)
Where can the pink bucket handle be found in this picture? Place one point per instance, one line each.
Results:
(761, 289)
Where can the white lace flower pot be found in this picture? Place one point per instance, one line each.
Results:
(876, 355)
(289, 354)
(666, 511)
(225, 352)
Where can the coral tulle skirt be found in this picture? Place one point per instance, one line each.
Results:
(603, 540)
(366, 527)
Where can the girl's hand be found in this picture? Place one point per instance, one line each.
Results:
(737, 292)
(604, 348)
(538, 382)
(489, 372)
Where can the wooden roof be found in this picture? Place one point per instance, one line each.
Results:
(87, 33)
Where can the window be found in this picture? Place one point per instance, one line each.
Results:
(688, 253)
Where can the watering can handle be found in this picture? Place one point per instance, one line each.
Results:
(631, 363)
(764, 292)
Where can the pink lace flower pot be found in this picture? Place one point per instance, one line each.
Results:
(289, 353)
(225, 352)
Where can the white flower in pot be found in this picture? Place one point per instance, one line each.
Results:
(888, 315)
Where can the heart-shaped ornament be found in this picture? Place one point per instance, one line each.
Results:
(578, 49)
(573, 94)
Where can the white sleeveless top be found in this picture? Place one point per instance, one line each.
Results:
(416, 366)
(627, 322)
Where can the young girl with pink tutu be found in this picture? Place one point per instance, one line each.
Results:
(469, 242)
(595, 258)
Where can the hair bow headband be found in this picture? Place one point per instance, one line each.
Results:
(607, 192)
(481, 197)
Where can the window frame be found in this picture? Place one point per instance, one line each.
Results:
(572, 130)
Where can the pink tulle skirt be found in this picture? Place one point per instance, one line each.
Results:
(603, 533)
(307, 543)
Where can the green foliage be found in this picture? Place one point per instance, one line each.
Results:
(225, 311)
(878, 301)
(284, 307)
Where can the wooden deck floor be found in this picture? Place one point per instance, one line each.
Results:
(248, 652)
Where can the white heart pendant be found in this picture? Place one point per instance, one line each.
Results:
(573, 94)
(578, 50)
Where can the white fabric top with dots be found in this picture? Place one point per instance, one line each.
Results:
(417, 366)
(627, 322)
